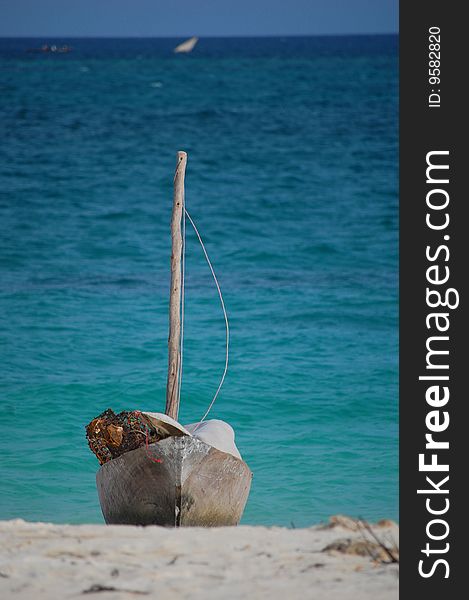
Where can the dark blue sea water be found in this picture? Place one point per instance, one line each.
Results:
(292, 180)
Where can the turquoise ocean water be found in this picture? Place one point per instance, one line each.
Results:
(292, 180)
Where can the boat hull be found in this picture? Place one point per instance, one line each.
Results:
(179, 481)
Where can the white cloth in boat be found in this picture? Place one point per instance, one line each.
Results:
(215, 433)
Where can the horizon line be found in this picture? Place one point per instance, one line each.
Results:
(173, 36)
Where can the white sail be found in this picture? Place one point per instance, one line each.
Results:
(187, 46)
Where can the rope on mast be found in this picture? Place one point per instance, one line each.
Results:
(227, 326)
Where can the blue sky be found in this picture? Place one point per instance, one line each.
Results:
(196, 17)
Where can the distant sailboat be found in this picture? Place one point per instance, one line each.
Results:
(187, 46)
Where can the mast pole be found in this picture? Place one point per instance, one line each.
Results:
(174, 339)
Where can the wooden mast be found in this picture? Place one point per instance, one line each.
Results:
(174, 340)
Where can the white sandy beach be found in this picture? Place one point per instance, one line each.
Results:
(42, 561)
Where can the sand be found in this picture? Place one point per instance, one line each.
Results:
(45, 561)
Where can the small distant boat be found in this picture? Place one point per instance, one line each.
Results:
(53, 49)
(186, 46)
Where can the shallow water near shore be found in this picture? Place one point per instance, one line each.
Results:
(292, 181)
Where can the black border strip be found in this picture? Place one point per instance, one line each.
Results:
(427, 127)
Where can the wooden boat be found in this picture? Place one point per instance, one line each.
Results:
(186, 46)
(193, 485)
(181, 480)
